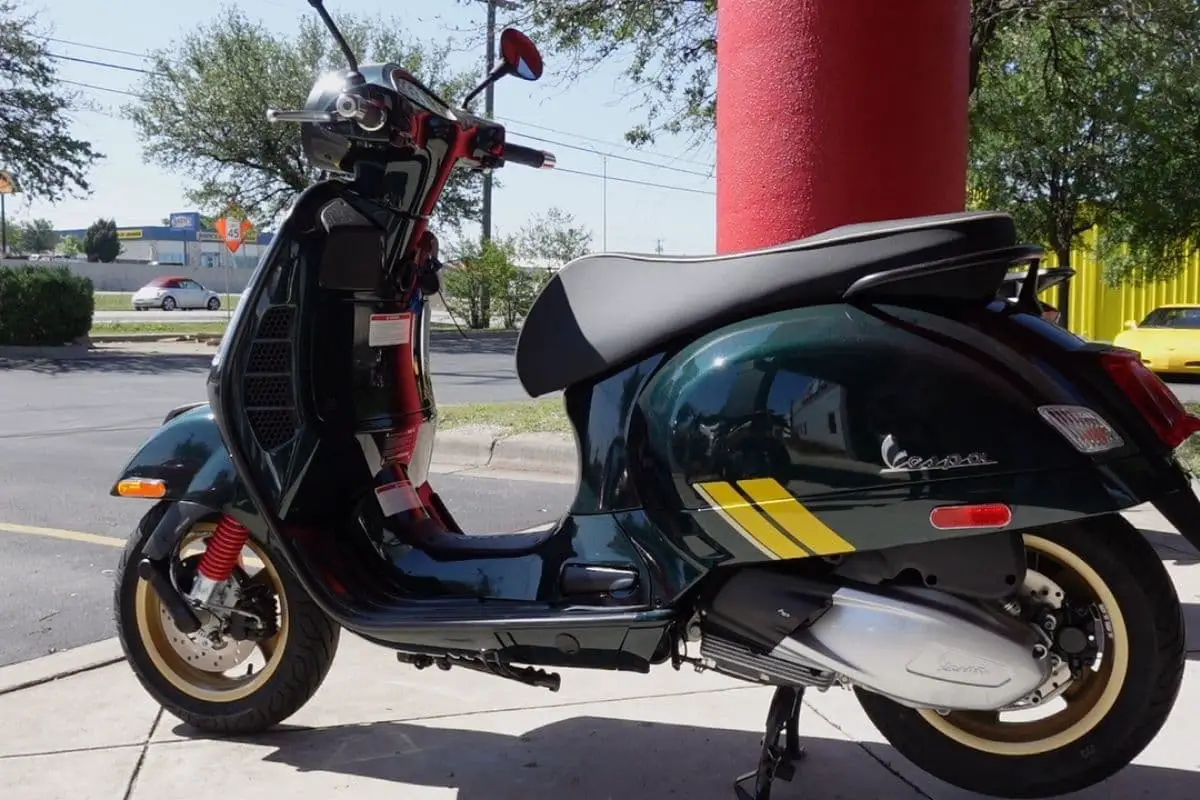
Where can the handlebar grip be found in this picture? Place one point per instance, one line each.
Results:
(527, 156)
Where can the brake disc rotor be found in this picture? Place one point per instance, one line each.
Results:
(201, 652)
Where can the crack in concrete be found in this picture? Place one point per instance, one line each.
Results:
(29, 684)
(877, 759)
(137, 767)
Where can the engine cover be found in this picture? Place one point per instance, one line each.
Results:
(920, 647)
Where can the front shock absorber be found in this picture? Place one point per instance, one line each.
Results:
(220, 558)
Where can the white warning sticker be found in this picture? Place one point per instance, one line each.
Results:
(398, 497)
(387, 330)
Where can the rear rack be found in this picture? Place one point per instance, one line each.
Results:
(978, 274)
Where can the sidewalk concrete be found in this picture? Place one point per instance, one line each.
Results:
(379, 729)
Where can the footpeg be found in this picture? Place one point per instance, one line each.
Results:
(776, 760)
(488, 663)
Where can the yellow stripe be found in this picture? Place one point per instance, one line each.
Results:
(794, 518)
(749, 522)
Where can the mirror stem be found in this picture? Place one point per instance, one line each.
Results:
(320, 7)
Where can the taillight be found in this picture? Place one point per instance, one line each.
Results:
(1157, 403)
(1083, 428)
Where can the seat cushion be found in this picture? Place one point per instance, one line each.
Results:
(601, 311)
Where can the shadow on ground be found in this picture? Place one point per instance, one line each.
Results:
(114, 363)
(595, 757)
(1171, 547)
(592, 757)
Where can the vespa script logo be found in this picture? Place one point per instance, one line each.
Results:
(954, 668)
(897, 459)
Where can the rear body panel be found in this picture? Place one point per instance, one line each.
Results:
(834, 429)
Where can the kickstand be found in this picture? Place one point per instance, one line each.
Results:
(775, 761)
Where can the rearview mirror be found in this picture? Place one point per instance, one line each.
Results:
(1130, 325)
(519, 57)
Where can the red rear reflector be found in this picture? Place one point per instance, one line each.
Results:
(1157, 403)
(991, 515)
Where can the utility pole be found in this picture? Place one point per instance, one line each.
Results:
(488, 108)
(489, 99)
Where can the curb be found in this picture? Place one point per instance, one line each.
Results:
(166, 336)
(492, 449)
(27, 674)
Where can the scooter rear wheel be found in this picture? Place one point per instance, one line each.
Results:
(198, 680)
(1114, 707)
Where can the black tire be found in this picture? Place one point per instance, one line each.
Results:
(169, 304)
(306, 652)
(214, 304)
(1154, 629)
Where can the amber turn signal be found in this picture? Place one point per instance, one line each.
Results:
(142, 487)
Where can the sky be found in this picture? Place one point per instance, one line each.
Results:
(591, 115)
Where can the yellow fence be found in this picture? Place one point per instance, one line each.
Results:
(1100, 312)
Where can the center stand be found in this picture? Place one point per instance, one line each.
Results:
(776, 760)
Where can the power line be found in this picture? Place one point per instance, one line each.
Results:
(583, 173)
(630, 159)
(143, 56)
(604, 142)
(614, 156)
(634, 181)
(107, 64)
(99, 88)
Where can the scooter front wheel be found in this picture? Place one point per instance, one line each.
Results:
(1117, 632)
(210, 679)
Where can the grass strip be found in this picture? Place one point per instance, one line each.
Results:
(521, 416)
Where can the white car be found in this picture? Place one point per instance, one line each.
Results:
(170, 293)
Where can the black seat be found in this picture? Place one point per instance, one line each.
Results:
(601, 311)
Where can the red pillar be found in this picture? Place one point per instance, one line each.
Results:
(831, 112)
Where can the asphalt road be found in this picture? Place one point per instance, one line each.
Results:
(66, 427)
(56, 593)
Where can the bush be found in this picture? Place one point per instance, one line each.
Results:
(44, 305)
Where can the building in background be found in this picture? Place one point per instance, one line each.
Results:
(183, 242)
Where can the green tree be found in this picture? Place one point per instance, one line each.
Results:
(38, 236)
(70, 246)
(1081, 123)
(553, 238)
(100, 243)
(1156, 219)
(480, 275)
(35, 114)
(203, 110)
(14, 233)
(668, 47)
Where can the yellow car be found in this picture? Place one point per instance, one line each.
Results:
(1168, 339)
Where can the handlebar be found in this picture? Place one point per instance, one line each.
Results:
(527, 156)
(277, 115)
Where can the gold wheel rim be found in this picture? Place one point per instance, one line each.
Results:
(155, 629)
(1089, 700)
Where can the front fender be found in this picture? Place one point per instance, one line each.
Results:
(189, 456)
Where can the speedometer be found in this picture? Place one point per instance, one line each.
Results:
(418, 95)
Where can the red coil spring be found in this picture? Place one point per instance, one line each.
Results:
(224, 550)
